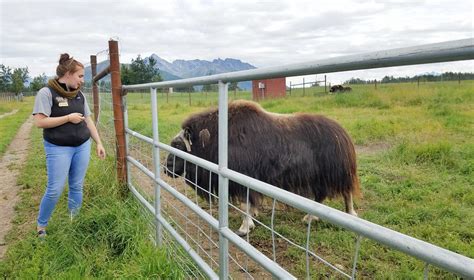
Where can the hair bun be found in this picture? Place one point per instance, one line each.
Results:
(67, 64)
(63, 58)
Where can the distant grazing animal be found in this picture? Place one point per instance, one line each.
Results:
(339, 88)
(306, 154)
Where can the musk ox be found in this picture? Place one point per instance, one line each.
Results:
(306, 154)
(339, 88)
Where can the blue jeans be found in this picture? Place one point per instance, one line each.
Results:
(62, 162)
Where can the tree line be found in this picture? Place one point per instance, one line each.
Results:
(15, 80)
(446, 76)
(139, 71)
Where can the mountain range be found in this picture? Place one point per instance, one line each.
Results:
(179, 69)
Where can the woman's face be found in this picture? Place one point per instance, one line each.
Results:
(76, 79)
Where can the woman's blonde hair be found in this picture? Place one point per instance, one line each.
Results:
(67, 64)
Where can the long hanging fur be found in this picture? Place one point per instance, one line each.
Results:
(306, 154)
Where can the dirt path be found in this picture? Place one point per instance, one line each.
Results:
(10, 165)
(9, 113)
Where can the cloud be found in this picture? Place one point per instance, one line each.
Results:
(263, 33)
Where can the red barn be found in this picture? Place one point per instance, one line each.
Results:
(269, 88)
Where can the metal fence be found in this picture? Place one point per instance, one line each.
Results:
(11, 96)
(202, 229)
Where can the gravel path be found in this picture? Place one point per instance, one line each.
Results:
(11, 165)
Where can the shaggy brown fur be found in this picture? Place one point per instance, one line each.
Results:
(306, 154)
(339, 88)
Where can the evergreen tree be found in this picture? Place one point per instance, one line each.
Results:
(38, 82)
(233, 86)
(140, 71)
(5, 77)
(19, 78)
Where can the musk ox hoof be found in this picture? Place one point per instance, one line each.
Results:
(353, 213)
(309, 218)
(241, 233)
(245, 228)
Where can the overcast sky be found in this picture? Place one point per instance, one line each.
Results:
(262, 33)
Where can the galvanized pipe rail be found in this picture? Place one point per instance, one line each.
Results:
(417, 248)
(256, 255)
(431, 53)
(440, 52)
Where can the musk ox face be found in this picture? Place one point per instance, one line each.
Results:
(174, 164)
(184, 141)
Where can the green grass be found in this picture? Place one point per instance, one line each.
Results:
(416, 171)
(106, 241)
(9, 125)
(6, 107)
(419, 183)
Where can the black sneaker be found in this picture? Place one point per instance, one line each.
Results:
(41, 233)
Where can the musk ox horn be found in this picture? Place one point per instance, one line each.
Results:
(185, 135)
(204, 137)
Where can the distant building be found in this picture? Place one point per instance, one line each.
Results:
(269, 88)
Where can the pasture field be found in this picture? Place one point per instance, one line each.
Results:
(10, 124)
(415, 153)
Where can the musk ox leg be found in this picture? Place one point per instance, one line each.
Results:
(309, 218)
(247, 222)
(349, 209)
(349, 204)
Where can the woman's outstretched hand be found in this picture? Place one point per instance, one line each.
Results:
(100, 151)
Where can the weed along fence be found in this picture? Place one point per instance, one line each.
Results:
(199, 231)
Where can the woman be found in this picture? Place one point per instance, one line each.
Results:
(62, 111)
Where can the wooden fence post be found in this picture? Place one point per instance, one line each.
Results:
(118, 112)
(95, 88)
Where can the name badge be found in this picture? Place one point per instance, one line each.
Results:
(63, 103)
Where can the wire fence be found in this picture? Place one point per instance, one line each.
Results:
(197, 221)
(11, 96)
(296, 253)
(145, 186)
(280, 235)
